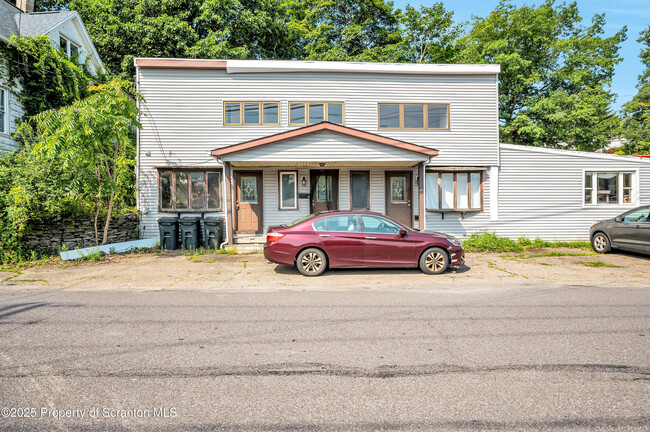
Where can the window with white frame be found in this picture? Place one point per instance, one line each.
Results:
(462, 191)
(70, 49)
(608, 188)
(288, 190)
(4, 103)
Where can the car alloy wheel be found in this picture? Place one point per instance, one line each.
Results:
(434, 261)
(311, 262)
(600, 243)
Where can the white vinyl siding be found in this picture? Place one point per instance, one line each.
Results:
(184, 122)
(541, 193)
(185, 109)
(326, 146)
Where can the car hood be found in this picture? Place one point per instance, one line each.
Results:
(437, 234)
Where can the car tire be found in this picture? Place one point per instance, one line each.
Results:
(600, 242)
(311, 262)
(434, 260)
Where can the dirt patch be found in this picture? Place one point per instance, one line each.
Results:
(253, 272)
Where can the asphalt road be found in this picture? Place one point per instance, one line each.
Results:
(472, 359)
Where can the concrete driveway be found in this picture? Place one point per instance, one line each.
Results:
(172, 271)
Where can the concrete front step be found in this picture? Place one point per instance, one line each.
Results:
(246, 248)
(249, 239)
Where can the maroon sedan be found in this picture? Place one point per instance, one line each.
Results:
(359, 239)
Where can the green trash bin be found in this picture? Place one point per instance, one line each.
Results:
(212, 232)
(190, 232)
(168, 227)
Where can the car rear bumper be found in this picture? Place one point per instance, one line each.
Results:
(279, 253)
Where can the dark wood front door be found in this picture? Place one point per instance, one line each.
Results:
(324, 190)
(248, 202)
(399, 196)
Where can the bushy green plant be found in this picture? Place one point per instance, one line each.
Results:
(490, 242)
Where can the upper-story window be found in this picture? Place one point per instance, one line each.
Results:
(251, 113)
(608, 188)
(413, 116)
(304, 113)
(70, 49)
(3, 111)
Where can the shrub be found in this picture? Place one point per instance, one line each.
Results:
(490, 242)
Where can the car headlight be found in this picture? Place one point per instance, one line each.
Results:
(454, 242)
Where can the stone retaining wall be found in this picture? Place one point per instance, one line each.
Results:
(80, 233)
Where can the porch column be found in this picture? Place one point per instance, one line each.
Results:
(422, 207)
(229, 219)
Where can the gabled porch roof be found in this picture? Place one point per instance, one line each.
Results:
(324, 143)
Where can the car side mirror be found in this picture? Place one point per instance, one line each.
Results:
(402, 232)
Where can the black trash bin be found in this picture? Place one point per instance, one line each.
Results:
(168, 227)
(212, 232)
(190, 232)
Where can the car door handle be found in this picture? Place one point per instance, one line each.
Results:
(371, 238)
(325, 235)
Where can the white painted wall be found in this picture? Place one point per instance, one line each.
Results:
(541, 194)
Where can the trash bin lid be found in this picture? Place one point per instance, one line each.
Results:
(190, 220)
(167, 219)
(212, 220)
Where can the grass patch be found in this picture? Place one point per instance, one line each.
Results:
(491, 242)
(595, 264)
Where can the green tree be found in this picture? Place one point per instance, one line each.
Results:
(430, 34)
(345, 30)
(636, 112)
(124, 29)
(93, 138)
(555, 73)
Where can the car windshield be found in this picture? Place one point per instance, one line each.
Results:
(297, 221)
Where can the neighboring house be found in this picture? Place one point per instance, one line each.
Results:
(64, 28)
(266, 142)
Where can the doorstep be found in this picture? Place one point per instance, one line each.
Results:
(247, 248)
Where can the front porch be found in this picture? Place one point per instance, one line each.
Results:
(323, 167)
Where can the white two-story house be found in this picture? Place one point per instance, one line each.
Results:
(66, 31)
(262, 143)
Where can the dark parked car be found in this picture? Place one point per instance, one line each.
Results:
(346, 239)
(628, 231)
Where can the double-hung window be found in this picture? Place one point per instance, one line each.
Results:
(461, 191)
(307, 113)
(4, 103)
(413, 116)
(288, 190)
(189, 190)
(251, 113)
(608, 188)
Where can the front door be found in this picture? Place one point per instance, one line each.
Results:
(324, 190)
(399, 193)
(248, 202)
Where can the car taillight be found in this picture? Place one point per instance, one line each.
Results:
(273, 237)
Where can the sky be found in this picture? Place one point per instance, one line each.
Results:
(635, 14)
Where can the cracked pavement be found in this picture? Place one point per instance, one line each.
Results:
(507, 358)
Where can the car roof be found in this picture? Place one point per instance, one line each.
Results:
(343, 212)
